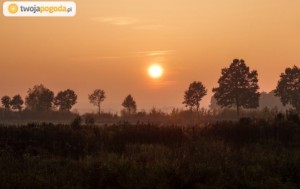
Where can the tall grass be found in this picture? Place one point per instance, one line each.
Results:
(244, 154)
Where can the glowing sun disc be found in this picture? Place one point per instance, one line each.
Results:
(155, 71)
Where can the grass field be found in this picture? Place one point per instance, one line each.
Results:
(244, 154)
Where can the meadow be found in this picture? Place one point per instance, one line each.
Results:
(249, 153)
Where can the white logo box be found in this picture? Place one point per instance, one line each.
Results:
(39, 8)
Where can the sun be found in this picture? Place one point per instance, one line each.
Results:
(155, 71)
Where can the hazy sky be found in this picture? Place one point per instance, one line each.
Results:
(109, 45)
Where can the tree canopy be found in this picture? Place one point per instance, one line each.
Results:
(288, 87)
(65, 100)
(5, 100)
(194, 95)
(39, 98)
(129, 104)
(237, 86)
(96, 98)
(17, 103)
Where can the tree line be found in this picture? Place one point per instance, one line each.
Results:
(237, 87)
(41, 99)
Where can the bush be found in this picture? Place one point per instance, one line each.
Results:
(76, 123)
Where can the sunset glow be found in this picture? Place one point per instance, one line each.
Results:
(110, 45)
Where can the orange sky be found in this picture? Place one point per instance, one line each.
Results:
(110, 43)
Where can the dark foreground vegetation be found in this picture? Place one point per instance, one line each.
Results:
(244, 154)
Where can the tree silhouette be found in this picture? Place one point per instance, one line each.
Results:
(17, 103)
(39, 98)
(65, 100)
(288, 87)
(96, 98)
(129, 104)
(5, 100)
(194, 95)
(237, 86)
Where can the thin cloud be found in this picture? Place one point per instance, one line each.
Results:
(135, 23)
(107, 57)
(156, 53)
(119, 21)
(94, 58)
(151, 27)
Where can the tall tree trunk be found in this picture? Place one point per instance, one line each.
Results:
(198, 115)
(99, 109)
(237, 107)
